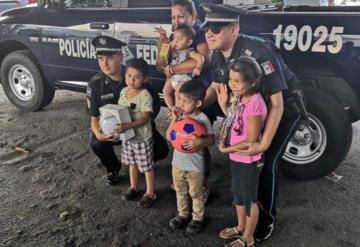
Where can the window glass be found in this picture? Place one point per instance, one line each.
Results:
(71, 4)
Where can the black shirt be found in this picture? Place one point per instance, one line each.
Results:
(276, 75)
(103, 90)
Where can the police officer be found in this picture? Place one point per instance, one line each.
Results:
(279, 86)
(104, 88)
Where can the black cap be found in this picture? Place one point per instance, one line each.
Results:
(107, 45)
(220, 15)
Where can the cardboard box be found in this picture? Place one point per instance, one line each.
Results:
(112, 114)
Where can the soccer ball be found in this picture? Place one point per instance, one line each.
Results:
(182, 132)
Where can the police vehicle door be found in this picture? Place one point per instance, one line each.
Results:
(66, 40)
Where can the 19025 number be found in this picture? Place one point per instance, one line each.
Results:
(323, 40)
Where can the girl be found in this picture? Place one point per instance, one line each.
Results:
(249, 117)
(137, 153)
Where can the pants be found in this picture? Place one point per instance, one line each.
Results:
(268, 183)
(189, 183)
(106, 154)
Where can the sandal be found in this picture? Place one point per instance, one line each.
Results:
(239, 243)
(147, 201)
(228, 233)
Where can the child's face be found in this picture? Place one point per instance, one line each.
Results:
(187, 104)
(180, 41)
(134, 78)
(237, 84)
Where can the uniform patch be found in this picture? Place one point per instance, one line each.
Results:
(107, 96)
(88, 103)
(268, 68)
(88, 91)
(248, 53)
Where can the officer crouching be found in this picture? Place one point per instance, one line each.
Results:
(104, 88)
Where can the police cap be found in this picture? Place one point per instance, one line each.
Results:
(106, 45)
(219, 15)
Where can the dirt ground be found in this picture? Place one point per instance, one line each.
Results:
(57, 196)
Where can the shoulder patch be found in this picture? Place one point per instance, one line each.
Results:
(267, 67)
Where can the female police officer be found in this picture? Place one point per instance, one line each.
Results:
(278, 84)
(104, 88)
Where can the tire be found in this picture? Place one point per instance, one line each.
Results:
(24, 83)
(320, 145)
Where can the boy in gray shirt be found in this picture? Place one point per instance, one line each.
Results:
(188, 168)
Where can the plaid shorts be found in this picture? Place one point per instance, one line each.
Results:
(140, 153)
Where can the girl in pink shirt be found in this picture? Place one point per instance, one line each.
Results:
(249, 115)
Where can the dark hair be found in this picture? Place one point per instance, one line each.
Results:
(250, 70)
(187, 30)
(139, 64)
(194, 89)
(187, 4)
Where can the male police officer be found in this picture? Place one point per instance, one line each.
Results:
(222, 35)
(104, 88)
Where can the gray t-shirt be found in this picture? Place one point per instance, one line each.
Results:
(193, 162)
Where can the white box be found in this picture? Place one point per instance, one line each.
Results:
(112, 114)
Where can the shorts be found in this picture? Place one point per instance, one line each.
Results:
(139, 154)
(244, 183)
(176, 79)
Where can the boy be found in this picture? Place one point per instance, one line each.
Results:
(137, 152)
(188, 168)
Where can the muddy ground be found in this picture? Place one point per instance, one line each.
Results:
(57, 196)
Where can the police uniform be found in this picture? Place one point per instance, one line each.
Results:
(103, 90)
(276, 77)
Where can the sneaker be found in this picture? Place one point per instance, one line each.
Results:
(131, 194)
(178, 222)
(147, 201)
(263, 231)
(195, 226)
(113, 178)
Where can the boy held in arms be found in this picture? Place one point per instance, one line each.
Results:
(188, 168)
(184, 36)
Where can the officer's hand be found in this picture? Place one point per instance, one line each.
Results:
(166, 71)
(251, 148)
(105, 138)
(222, 94)
(121, 128)
(196, 71)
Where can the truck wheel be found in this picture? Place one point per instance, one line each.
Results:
(319, 146)
(23, 82)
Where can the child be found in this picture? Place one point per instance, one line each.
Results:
(183, 38)
(188, 168)
(137, 153)
(249, 117)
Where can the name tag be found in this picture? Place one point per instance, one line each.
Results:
(107, 96)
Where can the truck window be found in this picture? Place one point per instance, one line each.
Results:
(75, 4)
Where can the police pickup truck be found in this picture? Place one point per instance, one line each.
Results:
(48, 47)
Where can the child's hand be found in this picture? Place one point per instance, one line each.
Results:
(162, 34)
(173, 113)
(222, 147)
(196, 71)
(121, 128)
(222, 94)
(195, 142)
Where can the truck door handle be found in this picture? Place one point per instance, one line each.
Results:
(99, 25)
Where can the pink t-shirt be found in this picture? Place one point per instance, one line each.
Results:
(255, 106)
